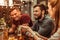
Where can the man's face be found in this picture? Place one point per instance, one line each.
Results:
(37, 12)
(15, 15)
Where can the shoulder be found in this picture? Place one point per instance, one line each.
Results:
(48, 19)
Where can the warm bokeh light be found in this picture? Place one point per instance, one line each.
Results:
(10, 2)
(6, 2)
(1, 2)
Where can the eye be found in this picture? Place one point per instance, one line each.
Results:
(35, 11)
(11, 15)
(15, 13)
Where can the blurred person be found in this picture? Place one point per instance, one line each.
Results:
(53, 10)
(52, 4)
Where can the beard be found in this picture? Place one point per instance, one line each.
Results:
(39, 17)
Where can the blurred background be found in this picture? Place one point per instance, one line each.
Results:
(26, 6)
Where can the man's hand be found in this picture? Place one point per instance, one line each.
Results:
(27, 28)
(11, 30)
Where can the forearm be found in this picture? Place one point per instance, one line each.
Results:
(31, 33)
(34, 35)
(11, 30)
(40, 36)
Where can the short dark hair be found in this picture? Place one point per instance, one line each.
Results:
(14, 9)
(42, 7)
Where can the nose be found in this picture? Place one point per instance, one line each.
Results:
(34, 13)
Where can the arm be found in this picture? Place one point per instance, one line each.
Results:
(12, 29)
(40, 36)
(35, 35)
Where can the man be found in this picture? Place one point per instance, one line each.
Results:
(16, 16)
(44, 24)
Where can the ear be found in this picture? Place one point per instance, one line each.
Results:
(43, 12)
